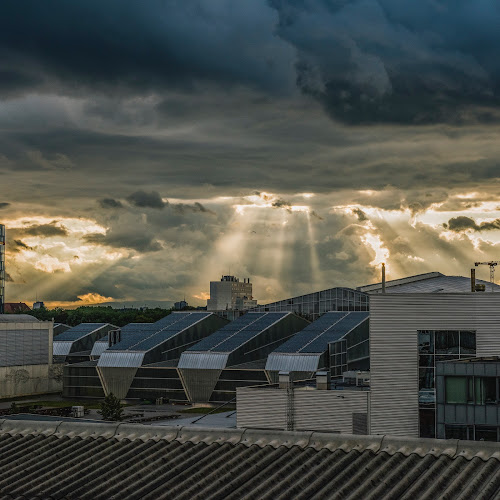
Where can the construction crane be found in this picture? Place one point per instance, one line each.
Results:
(492, 264)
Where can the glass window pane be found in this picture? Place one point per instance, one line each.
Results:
(455, 432)
(467, 342)
(424, 361)
(456, 389)
(485, 390)
(426, 378)
(448, 357)
(486, 433)
(447, 342)
(426, 342)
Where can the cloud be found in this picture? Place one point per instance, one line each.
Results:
(110, 203)
(196, 207)
(22, 245)
(373, 61)
(8, 278)
(462, 223)
(143, 199)
(4, 205)
(47, 230)
(359, 214)
(132, 239)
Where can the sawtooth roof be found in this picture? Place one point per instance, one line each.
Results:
(101, 461)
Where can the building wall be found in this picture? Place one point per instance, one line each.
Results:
(2, 268)
(26, 343)
(331, 411)
(394, 322)
(29, 380)
(223, 294)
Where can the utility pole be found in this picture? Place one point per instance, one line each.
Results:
(492, 264)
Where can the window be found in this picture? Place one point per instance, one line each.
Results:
(485, 390)
(484, 433)
(463, 432)
(457, 389)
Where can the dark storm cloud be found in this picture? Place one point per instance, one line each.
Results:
(4, 205)
(142, 199)
(462, 223)
(142, 242)
(366, 61)
(359, 214)
(51, 229)
(110, 203)
(8, 278)
(22, 245)
(196, 207)
(396, 61)
(135, 46)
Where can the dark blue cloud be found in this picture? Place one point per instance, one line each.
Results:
(366, 61)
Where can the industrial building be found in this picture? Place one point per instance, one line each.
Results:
(230, 294)
(313, 305)
(468, 399)
(235, 355)
(75, 344)
(309, 350)
(2, 268)
(433, 282)
(147, 344)
(26, 357)
(98, 461)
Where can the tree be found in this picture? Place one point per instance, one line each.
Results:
(111, 408)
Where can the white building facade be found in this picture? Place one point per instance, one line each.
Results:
(230, 293)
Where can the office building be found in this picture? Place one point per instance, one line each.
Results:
(230, 294)
(468, 399)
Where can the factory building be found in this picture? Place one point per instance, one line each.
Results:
(148, 344)
(309, 350)
(235, 355)
(313, 305)
(75, 344)
(230, 294)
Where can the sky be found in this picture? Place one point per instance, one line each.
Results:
(147, 148)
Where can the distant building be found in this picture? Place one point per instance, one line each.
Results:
(2, 268)
(38, 305)
(16, 307)
(230, 294)
(182, 304)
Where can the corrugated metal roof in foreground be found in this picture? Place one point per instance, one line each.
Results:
(101, 461)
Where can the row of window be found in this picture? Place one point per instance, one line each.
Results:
(472, 432)
(446, 342)
(472, 390)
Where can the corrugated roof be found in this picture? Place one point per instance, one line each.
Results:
(101, 461)
(428, 283)
(17, 318)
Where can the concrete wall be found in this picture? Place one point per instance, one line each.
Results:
(266, 408)
(394, 322)
(28, 380)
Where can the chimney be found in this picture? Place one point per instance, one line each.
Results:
(284, 380)
(473, 280)
(383, 277)
(323, 381)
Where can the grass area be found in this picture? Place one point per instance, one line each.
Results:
(203, 410)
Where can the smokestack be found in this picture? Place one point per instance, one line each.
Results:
(473, 280)
(383, 277)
